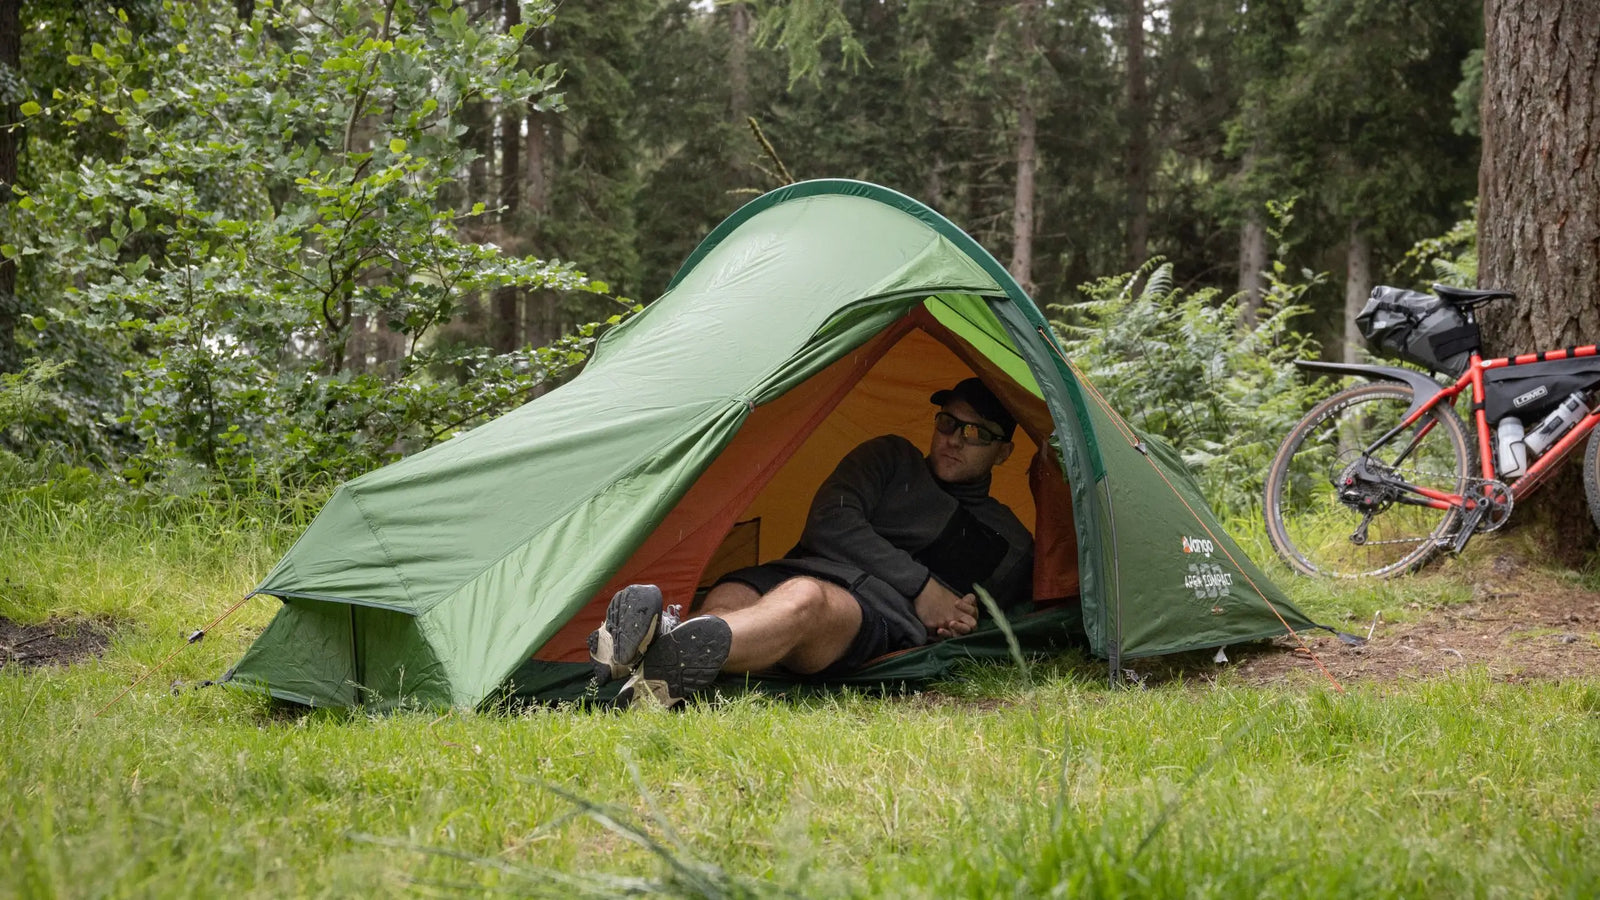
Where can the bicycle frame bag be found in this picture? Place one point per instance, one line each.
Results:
(1530, 390)
(1418, 328)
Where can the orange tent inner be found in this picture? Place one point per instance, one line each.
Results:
(750, 504)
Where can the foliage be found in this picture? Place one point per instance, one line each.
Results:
(1452, 256)
(274, 197)
(1349, 105)
(802, 29)
(22, 393)
(1179, 364)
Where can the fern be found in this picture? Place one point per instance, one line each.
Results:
(1182, 365)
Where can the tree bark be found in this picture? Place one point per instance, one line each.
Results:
(1539, 200)
(1138, 160)
(739, 61)
(505, 329)
(1022, 209)
(1252, 265)
(535, 184)
(1539, 181)
(10, 145)
(1357, 287)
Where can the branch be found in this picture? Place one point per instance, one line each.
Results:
(766, 146)
(372, 68)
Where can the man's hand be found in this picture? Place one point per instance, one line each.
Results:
(943, 612)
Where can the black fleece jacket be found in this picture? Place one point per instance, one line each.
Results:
(883, 524)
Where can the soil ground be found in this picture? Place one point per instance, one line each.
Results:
(59, 642)
(1521, 624)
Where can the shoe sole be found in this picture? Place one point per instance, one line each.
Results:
(632, 620)
(685, 660)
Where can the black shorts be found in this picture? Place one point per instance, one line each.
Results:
(871, 640)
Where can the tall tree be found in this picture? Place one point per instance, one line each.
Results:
(10, 141)
(1539, 189)
(1022, 212)
(1137, 110)
(506, 327)
(1539, 184)
(1359, 122)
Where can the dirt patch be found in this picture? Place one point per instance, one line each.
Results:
(59, 642)
(1520, 625)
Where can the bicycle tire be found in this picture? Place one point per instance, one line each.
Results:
(1313, 531)
(1591, 475)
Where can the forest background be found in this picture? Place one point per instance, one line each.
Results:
(251, 248)
(283, 243)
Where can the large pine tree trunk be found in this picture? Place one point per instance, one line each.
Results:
(1357, 287)
(10, 139)
(1539, 197)
(1022, 209)
(1138, 159)
(1539, 183)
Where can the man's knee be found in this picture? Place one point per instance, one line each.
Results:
(804, 597)
(817, 608)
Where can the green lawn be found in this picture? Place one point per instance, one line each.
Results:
(993, 785)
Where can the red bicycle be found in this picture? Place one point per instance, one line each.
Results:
(1380, 477)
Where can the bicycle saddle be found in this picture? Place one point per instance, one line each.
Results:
(1469, 297)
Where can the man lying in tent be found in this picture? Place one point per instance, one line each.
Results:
(892, 547)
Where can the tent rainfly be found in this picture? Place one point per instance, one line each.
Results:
(817, 316)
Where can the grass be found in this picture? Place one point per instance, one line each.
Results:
(998, 784)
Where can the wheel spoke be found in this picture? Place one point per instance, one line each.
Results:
(1338, 505)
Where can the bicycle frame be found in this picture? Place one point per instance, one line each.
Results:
(1473, 378)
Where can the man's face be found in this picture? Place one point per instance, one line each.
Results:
(953, 459)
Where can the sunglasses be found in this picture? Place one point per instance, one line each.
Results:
(972, 433)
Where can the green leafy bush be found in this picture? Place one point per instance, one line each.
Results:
(277, 189)
(1182, 365)
(21, 393)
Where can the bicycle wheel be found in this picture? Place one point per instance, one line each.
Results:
(1317, 532)
(1591, 475)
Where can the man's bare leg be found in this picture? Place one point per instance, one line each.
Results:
(727, 597)
(804, 624)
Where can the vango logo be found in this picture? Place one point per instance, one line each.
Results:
(1198, 545)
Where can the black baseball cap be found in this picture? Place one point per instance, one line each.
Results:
(983, 402)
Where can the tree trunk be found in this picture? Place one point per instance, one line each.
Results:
(10, 140)
(1252, 265)
(1357, 287)
(535, 185)
(505, 329)
(739, 61)
(1022, 209)
(1539, 199)
(1138, 161)
(1539, 181)
(358, 349)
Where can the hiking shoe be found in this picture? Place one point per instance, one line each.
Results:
(632, 620)
(680, 662)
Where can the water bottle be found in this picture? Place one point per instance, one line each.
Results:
(1575, 407)
(1513, 455)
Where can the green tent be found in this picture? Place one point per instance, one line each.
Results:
(817, 316)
